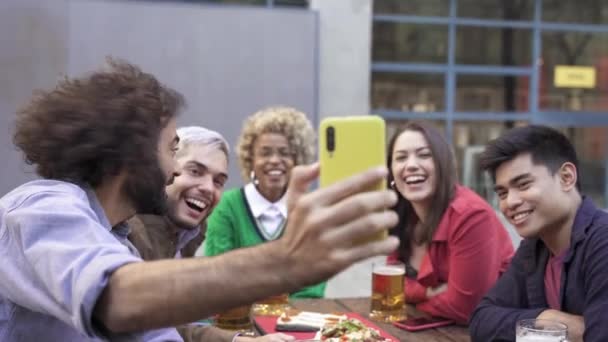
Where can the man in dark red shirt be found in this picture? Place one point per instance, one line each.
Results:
(560, 270)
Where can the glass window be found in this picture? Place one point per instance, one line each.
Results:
(408, 92)
(574, 49)
(493, 46)
(410, 43)
(492, 93)
(469, 140)
(576, 11)
(497, 9)
(412, 7)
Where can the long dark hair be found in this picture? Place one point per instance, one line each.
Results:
(447, 178)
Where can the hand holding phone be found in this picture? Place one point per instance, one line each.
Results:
(422, 323)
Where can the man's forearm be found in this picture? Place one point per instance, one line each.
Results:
(323, 236)
(189, 289)
(490, 322)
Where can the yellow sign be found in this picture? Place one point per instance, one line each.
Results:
(574, 76)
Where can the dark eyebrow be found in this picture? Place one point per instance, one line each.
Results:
(513, 181)
(416, 150)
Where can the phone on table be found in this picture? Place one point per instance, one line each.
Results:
(349, 145)
(422, 323)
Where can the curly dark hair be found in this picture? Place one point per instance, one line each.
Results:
(88, 128)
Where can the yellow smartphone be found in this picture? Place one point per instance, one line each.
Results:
(349, 145)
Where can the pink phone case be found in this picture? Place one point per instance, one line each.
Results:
(417, 324)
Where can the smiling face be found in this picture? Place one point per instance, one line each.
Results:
(413, 167)
(533, 199)
(272, 164)
(198, 188)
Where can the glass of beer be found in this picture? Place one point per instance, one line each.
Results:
(388, 297)
(272, 306)
(540, 330)
(237, 319)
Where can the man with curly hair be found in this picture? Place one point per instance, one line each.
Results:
(104, 146)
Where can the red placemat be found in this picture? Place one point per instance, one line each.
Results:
(268, 325)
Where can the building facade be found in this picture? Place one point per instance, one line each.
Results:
(478, 67)
(472, 67)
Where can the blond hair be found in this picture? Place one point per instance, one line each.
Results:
(287, 121)
(201, 136)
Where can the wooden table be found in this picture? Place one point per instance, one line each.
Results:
(452, 333)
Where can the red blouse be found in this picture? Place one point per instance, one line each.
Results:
(469, 251)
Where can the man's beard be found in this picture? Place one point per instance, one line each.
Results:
(145, 188)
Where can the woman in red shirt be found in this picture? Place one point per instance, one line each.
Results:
(453, 244)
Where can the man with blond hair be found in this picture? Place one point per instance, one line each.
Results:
(202, 159)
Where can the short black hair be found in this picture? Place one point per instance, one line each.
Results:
(547, 147)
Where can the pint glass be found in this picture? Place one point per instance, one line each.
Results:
(271, 306)
(388, 297)
(237, 319)
(540, 330)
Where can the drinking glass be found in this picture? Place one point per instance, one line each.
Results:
(540, 330)
(272, 306)
(237, 319)
(388, 296)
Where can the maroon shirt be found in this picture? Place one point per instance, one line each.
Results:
(553, 274)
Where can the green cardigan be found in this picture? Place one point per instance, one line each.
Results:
(232, 226)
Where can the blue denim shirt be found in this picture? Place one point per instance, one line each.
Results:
(520, 292)
(57, 252)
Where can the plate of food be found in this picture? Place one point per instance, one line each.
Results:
(307, 326)
(350, 330)
(294, 320)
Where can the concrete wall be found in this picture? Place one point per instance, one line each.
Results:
(228, 61)
(345, 56)
(344, 85)
(33, 53)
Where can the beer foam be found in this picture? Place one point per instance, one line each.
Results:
(389, 271)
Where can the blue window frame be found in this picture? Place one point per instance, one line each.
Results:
(450, 69)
